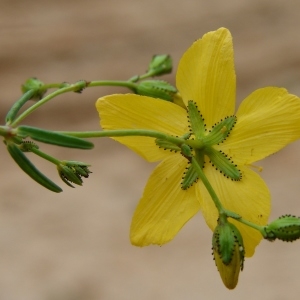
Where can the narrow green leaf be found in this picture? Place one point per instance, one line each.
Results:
(17, 105)
(54, 138)
(25, 164)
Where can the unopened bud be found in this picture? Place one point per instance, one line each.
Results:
(156, 89)
(229, 253)
(72, 171)
(37, 86)
(160, 64)
(285, 228)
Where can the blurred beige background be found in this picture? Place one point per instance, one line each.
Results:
(75, 245)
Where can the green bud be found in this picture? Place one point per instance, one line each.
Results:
(156, 89)
(228, 251)
(285, 228)
(37, 86)
(160, 64)
(72, 171)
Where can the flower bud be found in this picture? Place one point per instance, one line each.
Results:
(72, 171)
(37, 86)
(156, 89)
(229, 253)
(285, 228)
(160, 64)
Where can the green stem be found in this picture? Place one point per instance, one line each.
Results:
(45, 156)
(125, 132)
(254, 226)
(208, 186)
(127, 84)
(69, 88)
(5, 131)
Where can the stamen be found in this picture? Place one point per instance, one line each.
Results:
(258, 168)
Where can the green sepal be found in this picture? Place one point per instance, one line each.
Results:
(191, 176)
(68, 175)
(196, 121)
(286, 228)
(12, 113)
(167, 145)
(25, 164)
(225, 237)
(78, 167)
(53, 138)
(220, 131)
(222, 163)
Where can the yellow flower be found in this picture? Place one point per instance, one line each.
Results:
(266, 121)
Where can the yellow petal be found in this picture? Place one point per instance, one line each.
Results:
(267, 120)
(139, 112)
(206, 75)
(164, 207)
(229, 273)
(250, 198)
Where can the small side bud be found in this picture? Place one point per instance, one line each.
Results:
(228, 251)
(37, 86)
(286, 228)
(156, 89)
(160, 64)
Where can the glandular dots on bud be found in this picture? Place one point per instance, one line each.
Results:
(286, 228)
(228, 251)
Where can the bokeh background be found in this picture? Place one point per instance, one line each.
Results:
(75, 245)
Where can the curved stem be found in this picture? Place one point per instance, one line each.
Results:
(70, 88)
(254, 226)
(45, 156)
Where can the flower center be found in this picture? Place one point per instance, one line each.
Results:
(201, 142)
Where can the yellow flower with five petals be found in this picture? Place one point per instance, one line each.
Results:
(266, 121)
